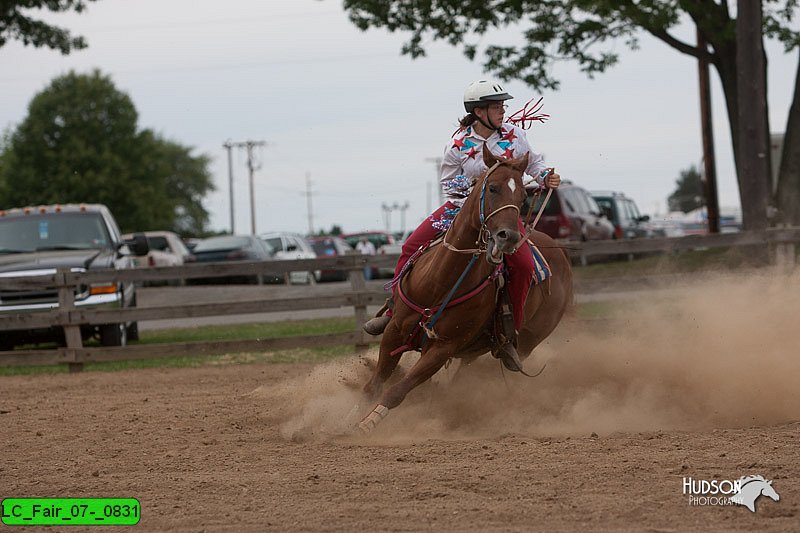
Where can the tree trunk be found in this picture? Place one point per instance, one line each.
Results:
(788, 194)
(726, 68)
(754, 147)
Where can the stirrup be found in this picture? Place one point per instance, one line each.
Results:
(509, 356)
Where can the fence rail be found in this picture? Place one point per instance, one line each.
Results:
(70, 316)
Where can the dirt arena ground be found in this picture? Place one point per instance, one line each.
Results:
(702, 386)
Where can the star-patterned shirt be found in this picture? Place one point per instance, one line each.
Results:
(463, 159)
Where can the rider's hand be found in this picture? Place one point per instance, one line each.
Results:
(553, 180)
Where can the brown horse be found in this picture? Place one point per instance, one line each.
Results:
(487, 226)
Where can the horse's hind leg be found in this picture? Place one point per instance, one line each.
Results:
(430, 363)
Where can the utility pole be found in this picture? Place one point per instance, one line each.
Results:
(438, 162)
(403, 209)
(754, 152)
(308, 194)
(387, 216)
(228, 146)
(709, 160)
(251, 166)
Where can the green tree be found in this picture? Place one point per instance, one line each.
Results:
(587, 31)
(79, 143)
(184, 179)
(688, 194)
(17, 23)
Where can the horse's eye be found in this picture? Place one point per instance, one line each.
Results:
(493, 188)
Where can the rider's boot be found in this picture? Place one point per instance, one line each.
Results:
(375, 326)
(506, 350)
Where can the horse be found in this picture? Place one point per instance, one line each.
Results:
(751, 487)
(489, 220)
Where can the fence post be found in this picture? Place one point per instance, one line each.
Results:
(66, 304)
(359, 286)
(784, 255)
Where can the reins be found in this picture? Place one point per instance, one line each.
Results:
(530, 228)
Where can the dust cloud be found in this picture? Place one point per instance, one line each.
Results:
(721, 354)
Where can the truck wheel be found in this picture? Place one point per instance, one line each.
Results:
(113, 335)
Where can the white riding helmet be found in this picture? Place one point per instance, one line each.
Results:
(484, 91)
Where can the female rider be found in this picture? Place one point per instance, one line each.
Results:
(461, 164)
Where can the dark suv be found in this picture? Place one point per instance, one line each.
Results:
(571, 214)
(35, 241)
(623, 213)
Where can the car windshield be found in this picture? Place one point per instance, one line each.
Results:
(552, 207)
(53, 231)
(222, 243)
(377, 239)
(324, 247)
(158, 243)
(606, 205)
(274, 243)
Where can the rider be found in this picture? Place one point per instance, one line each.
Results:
(462, 163)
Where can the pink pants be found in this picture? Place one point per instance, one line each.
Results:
(520, 264)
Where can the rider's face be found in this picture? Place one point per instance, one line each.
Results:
(493, 113)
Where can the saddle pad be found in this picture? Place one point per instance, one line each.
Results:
(541, 270)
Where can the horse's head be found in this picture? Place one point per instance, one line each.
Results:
(767, 490)
(501, 195)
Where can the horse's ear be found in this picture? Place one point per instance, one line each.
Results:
(521, 163)
(488, 157)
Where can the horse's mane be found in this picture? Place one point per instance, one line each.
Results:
(748, 479)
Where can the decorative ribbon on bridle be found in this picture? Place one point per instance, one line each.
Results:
(525, 117)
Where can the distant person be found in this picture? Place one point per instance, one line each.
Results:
(365, 247)
(461, 164)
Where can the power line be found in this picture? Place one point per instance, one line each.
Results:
(252, 167)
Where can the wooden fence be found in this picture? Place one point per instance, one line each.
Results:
(67, 315)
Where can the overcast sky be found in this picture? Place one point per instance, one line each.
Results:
(344, 107)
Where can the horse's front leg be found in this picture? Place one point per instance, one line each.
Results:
(432, 359)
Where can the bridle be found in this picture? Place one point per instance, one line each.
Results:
(483, 232)
(429, 316)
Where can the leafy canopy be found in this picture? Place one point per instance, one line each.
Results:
(585, 31)
(18, 23)
(80, 143)
(688, 194)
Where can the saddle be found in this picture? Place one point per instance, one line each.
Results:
(498, 332)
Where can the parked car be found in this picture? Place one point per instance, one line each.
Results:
(293, 246)
(571, 214)
(382, 241)
(233, 248)
(392, 249)
(35, 241)
(668, 225)
(328, 246)
(166, 249)
(622, 211)
(378, 238)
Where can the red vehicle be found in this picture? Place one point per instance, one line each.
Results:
(328, 246)
(384, 243)
(571, 214)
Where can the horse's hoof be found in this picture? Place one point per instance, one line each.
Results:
(373, 419)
